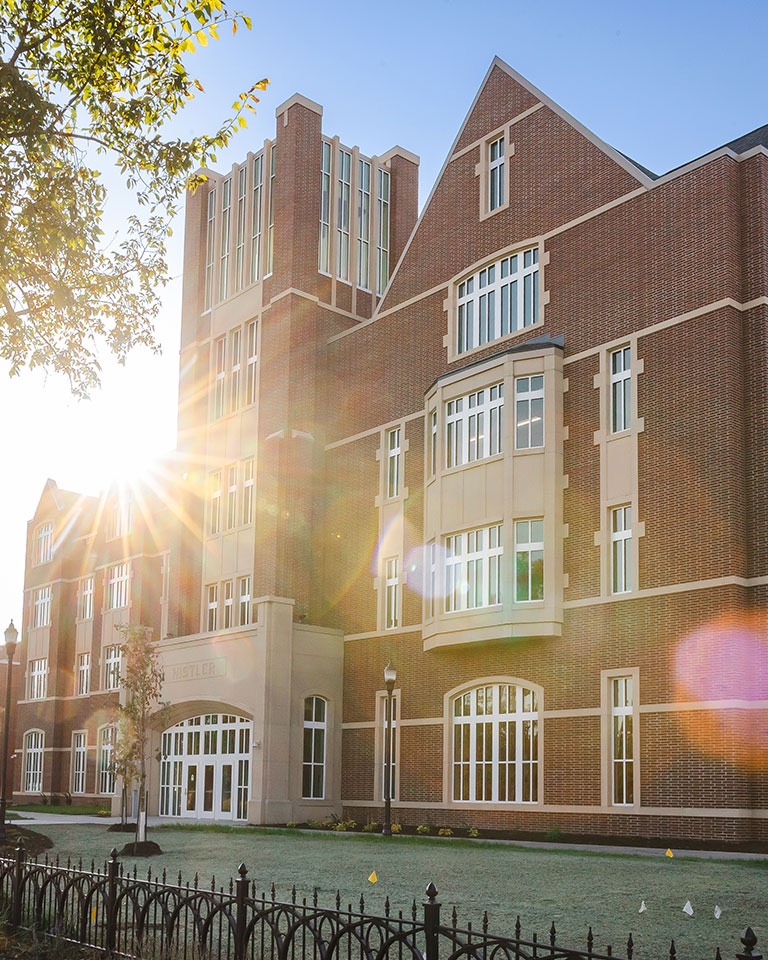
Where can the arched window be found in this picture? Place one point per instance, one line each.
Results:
(34, 745)
(43, 543)
(315, 730)
(496, 744)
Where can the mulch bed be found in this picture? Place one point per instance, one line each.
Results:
(34, 843)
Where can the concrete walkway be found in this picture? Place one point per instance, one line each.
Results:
(28, 819)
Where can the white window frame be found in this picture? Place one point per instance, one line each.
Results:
(79, 761)
(394, 463)
(247, 507)
(382, 231)
(621, 549)
(622, 739)
(430, 592)
(240, 229)
(220, 377)
(496, 184)
(212, 607)
(315, 749)
(235, 349)
(117, 586)
(496, 745)
(113, 662)
(41, 607)
(620, 368)
(120, 517)
(229, 604)
(529, 551)
(83, 675)
(37, 679)
(252, 348)
(344, 215)
(214, 503)
(271, 209)
(432, 444)
(231, 514)
(529, 412)
(106, 771)
(244, 610)
(363, 223)
(324, 243)
(225, 242)
(497, 300)
(391, 593)
(474, 426)
(473, 574)
(256, 208)
(210, 248)
(85, 599)
(34, 757)
(44, 543)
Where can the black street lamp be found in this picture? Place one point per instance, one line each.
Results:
(11, 638)
(390, 675)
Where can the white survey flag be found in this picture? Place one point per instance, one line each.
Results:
(643, 907)
(688, 908)
(718, 912)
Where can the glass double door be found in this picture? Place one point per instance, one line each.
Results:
(205, 768)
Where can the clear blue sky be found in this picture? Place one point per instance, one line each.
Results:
(662, 82)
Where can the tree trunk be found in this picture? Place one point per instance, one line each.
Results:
(141, 818)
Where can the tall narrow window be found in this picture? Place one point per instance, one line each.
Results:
(496, 744)
(244, 592)
(473, 568)
(231, 497)
(112, 666)
(529, 560)
(382, 234)
(431, 590)
(220, 374)
(34, 747)
(234, 369)
(210, 248)
(621, 550)
(79, 758)
(315, 736)
(247, 517)
(226, 217)
(212, 617)
(240, 230)
(271, 209)
(343, 220)
(117, 586)
(44, 543)
(324, 248)
(391, 731)
(394, 457)
(256, 204)
(83, 674)
(229, 604)
(432, 442)
(106, 765)
(391, 593)
(85, 601)
(529, 412)
(621, 385)
(37, 679)
(622, 760)
(498, 300)
(496, 174)
(41, 607)
(363, 222)
(214, 503)
(120, 517)
(252, 348)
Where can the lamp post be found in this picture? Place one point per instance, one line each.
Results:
(390, 675)
(11, 637)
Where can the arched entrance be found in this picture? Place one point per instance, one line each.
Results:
(205, 768)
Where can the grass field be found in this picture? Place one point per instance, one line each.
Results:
(575, 890)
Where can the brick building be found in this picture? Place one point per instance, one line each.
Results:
(515, 446)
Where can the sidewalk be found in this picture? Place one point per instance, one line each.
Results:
(26, 818)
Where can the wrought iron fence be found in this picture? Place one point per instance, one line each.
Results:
(121, 915)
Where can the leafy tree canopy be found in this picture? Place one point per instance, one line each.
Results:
(80, 78)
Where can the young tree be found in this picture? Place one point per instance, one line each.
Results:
(80, 78)
(142, 680)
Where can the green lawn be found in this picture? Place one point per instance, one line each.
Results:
(575, 890)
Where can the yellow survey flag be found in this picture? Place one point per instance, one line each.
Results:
(93, 915)
(669, 853)
(373, 878)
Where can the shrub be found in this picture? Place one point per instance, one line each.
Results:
(292, 824)
(397, 828)
(473, 833)
(445, 832)
(373, 827)
(554, 835)
(423, 829)
(345, 825)
(314, 825)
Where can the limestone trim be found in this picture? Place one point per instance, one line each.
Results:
(671, 588)
(704, 813)
(495, 133)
